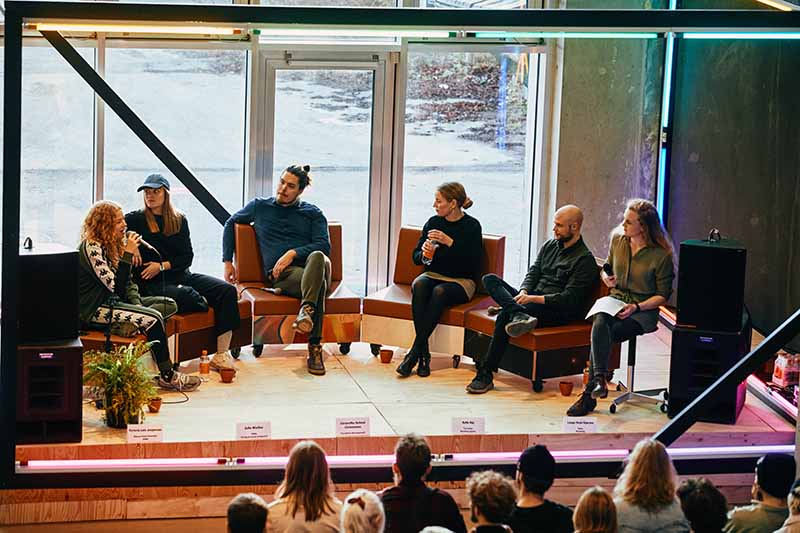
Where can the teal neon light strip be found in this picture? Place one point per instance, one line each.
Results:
(750, 35)
(564, 34)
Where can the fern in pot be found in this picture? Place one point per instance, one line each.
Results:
(118, 378)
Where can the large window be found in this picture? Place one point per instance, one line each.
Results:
(324, 118)
(194, 101)
(466, 121)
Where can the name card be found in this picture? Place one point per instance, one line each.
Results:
(253, 430)
(579, 424)
(475, 425)
(145, 433)
(352, 426)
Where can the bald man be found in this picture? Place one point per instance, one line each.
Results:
(556, 290)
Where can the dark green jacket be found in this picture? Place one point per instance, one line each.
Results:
(98, 282)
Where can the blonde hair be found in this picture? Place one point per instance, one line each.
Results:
(654, 232)
(452, 190)
(362, 512)
(595, 512)
(794, 500)
(172, 217)
(649, 478)
(99, 225)
(307, 482)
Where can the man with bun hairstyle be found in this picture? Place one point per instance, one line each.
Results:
(295, 247)
(536, 470)
(555, 291)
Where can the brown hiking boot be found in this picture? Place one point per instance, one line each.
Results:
(315, 364)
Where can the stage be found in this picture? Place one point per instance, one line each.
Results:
(277, 388)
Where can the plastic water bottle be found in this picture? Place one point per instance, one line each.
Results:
(205, 366)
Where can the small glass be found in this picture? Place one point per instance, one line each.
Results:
(427, 256)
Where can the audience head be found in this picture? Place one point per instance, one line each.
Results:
(449, 197)
(292, 183)
(595, 512)
(435, 529)
(567, 223)
(362, 512)
(492, 497)
(412, 458)
(704, 506)
(307, 482)
(641, 218)
(649, 478)
(794, 498)
(247, 513)
(157, 202)
(105, 224)
(536, 470)
(774, 476)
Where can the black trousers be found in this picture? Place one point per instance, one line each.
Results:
(607, 330)
(503, 293)
(221, 296)
(429, 298)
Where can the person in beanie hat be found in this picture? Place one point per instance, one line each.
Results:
(769, 509)
(536, 471)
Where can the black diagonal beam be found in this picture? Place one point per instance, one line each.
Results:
(132, 120)
(746, 366)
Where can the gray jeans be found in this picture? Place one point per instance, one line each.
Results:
(311, 284)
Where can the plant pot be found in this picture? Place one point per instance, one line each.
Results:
(227, 374)
(154, 405)
(565, 387)
(115, 419)
(386, 356)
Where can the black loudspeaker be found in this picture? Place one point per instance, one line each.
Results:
(697, 360)
(711, 285)
(48, 294)
(49, 386)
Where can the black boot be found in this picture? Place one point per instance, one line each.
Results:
(424, 368)
(482, 382)
(585, 403)
(409, 361)
(600, 389)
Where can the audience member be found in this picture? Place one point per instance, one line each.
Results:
(435, 529)
(536, 471)
(491, 500)
(595, 512)
(645, 492)
(768, 511)
(792, 524)
(703, 505)
(363, 513)
(247, 513)
(304, 499)
(411, 505)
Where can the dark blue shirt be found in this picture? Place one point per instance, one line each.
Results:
(279, 228)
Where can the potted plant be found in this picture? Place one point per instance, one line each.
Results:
(119, 380)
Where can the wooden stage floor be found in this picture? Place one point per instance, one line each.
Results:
(277, 388)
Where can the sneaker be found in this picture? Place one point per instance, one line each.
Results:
(481, 383)
(583, 406)
(493, 310)
(304, 322)
(179, 382)
(222, 360)
(521, 324)
(315, 364)
(600, 388)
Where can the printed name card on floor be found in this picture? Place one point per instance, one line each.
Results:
(355, 426)
(145, 433)
(253, 430)
(580, 424)
(475, 425)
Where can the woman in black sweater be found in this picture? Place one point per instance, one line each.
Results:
(166, 272)
(450, 247)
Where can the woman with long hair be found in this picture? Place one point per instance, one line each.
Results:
(165, 270)
(640, 257)
(107, 294)
(450, 248)
(304, 500)
(645, 492)
(363, 513)
(595, 512)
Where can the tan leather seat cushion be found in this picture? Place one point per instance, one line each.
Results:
(95, 340)
(341, 301)
(395, 301)
(573, 334)
(205, 319)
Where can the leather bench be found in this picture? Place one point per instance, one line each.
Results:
(273, 314)
(387, 317)
(544, 353)
(195, 333)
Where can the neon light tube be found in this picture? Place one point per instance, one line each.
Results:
(740, 35)
(120, 28)
(351, 32)
(660, 192)
(564, 34)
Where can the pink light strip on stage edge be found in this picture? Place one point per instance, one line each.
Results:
(100, 464)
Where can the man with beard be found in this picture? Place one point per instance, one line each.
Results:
(555, 291)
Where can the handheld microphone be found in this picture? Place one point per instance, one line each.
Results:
(146, 244)
(608, 270)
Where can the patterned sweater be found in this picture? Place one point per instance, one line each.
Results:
(98, 281)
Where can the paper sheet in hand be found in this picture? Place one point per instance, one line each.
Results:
(606, 304)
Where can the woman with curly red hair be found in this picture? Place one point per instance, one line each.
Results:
(105, 289)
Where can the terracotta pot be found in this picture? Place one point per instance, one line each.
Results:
(154, 405)
(565, 387)
(386, 356)
(227, 374)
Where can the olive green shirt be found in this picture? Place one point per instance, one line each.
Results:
(649, 273)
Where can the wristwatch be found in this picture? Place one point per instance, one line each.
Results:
(161, 269)
(638, 309)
